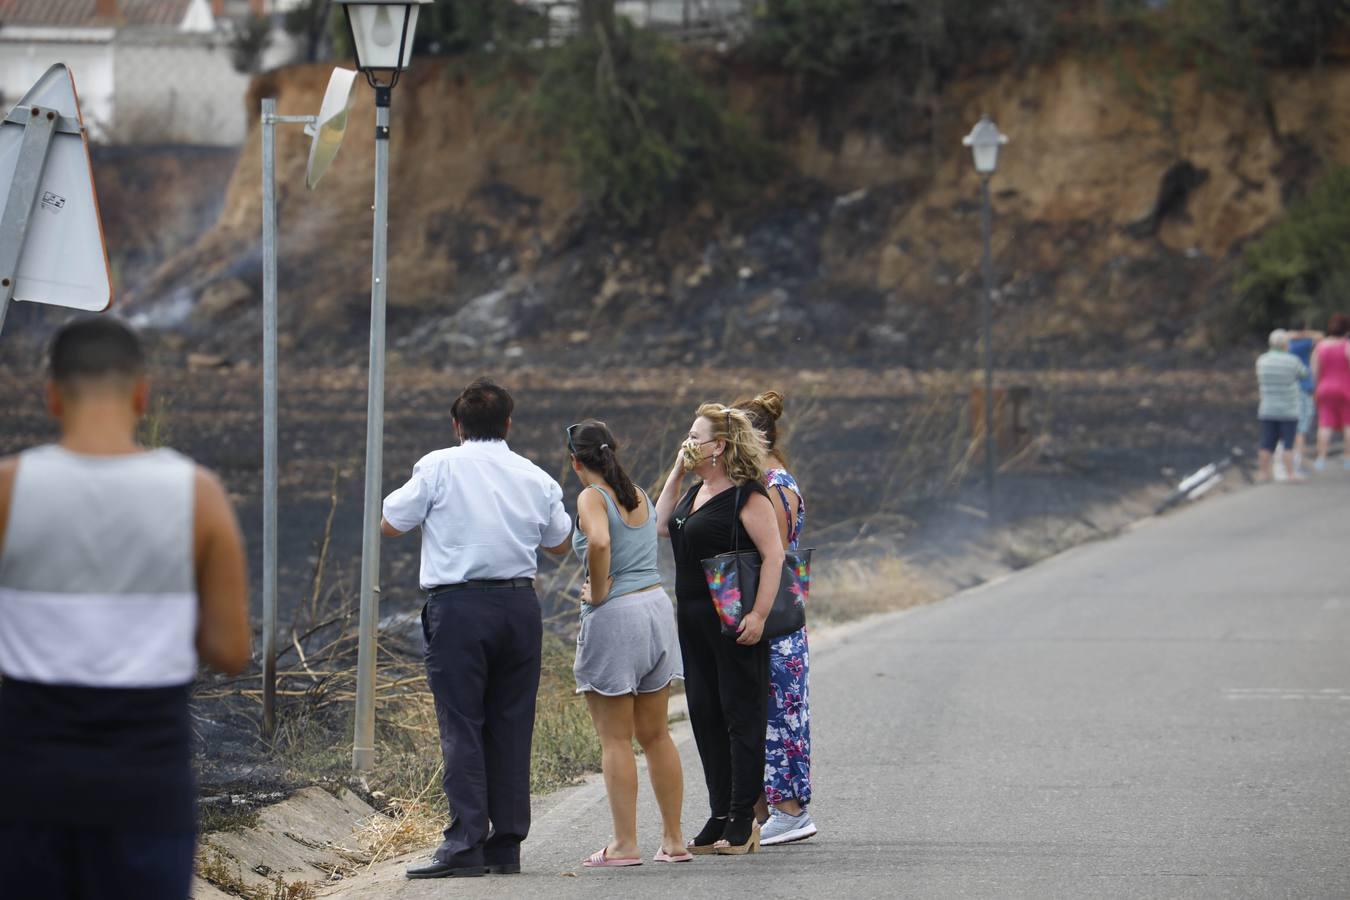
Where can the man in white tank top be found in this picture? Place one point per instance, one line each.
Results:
(120, 569)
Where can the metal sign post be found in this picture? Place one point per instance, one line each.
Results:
(270, 119)
(326, 130)
(269, 584)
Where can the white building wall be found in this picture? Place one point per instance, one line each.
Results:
(22, 63)
(695, 15)
(183, 91)
(675, 13)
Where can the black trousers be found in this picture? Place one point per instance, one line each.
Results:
(69, 862)
(727, 687)
(482, 661)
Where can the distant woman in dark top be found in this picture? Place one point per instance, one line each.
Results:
(726, 679)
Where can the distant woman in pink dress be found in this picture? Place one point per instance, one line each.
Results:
(1331, 371)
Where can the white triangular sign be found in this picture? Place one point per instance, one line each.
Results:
(63, 261)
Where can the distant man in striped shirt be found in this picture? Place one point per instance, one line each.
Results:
(1278, 373)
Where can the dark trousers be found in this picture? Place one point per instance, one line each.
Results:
(727, 687)
(482, 661)
(63, 862)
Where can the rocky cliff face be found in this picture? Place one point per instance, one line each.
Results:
(1113, 233)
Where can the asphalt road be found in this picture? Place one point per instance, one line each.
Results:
(1166, 714)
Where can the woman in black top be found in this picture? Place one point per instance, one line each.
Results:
(726, 679)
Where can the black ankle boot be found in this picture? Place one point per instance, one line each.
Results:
(738, 830)
(711, 834)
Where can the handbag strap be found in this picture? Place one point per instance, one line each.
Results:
(736, 522)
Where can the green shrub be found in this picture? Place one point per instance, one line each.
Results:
(1232, 44)
(830, 43)
(639, 127)
(1299, 270)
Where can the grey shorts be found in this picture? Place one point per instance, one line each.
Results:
(628, 645)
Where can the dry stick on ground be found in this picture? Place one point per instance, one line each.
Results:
(323, 547)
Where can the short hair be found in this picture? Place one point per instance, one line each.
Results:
(1339, 325)
(483, 410)
(95, 348)
(1279, 339)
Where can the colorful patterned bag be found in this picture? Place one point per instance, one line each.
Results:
(733, 581)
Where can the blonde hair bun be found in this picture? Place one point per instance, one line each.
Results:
(772, 403)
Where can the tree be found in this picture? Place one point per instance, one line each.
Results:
(250, 41)
(1298, 270)
(596, 18)
(640, 129)
(309, 22)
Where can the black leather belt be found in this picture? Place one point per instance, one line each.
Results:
(483, 584)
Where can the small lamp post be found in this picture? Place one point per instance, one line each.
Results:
(382, 36)
(984, 142)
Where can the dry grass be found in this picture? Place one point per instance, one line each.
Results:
(409, 767)
(226, 874)
(852, 589)
(405, 826)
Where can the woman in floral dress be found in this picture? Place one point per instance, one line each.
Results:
(787, 763)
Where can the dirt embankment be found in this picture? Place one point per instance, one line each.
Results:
(1113, 229)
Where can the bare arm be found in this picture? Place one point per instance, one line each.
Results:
(594, 523)
(785, 511)
(389, 530)
(224, 637)
(670, 496)
(9, 468)
(758, 518)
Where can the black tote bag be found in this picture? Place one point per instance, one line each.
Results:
(733, 582)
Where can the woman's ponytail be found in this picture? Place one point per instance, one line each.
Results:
(617, 478)
(595, 448)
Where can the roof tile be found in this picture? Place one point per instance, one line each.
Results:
(84, 13)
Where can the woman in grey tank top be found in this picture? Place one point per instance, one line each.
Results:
(628, 652)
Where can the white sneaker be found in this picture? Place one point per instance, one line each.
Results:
(784, 829)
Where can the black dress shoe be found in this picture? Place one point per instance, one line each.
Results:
(437, 869)
(511, 868)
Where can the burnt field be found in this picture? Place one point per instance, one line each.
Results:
(875, 451)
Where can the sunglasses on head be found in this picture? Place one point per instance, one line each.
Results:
(571, 448)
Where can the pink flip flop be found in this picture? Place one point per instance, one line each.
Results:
(663, 856)
(600, 860)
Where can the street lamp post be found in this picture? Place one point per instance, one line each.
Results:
(984, 141)
(382, 36)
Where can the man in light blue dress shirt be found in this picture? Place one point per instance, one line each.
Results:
(484, 512)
